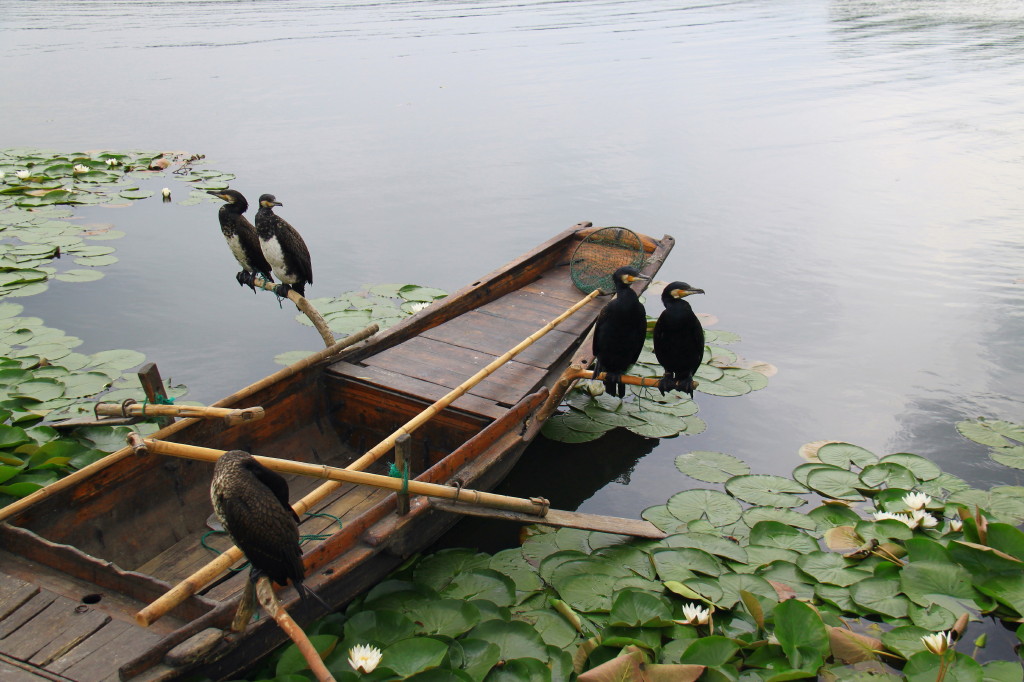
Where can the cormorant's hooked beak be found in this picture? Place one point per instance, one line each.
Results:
(217, 193)
(270, 204)
(683, 293)
(632, 278)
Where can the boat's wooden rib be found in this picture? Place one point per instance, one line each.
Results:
(79, 561)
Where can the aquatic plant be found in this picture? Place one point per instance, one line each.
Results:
(744, 587)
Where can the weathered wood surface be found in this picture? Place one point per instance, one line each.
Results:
(560, 519)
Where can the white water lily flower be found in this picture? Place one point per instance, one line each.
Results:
(166, 191)
(955, 525)
(902, 518)
(364, 658)
(416, 307)
(939, 642)
(112, 162)
(916, 500)
(695, 614)
(2, 174)
(924, 519)
(23, 174)
(79, 168)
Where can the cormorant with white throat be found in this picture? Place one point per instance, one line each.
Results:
(678, 339)
(620, 331)
(283, 247)
(241, 237)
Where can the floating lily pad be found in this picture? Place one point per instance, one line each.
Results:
(80, 276)
(711, 467)
(766, 489)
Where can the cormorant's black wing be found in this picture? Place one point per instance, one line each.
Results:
(251, 246)
(267, 536)
(277, 485)
(294, 245)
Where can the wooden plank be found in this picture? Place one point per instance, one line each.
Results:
(52, 632)
(18, 671)
(556, 285)
(562, 519)
(26, 612)
(98, 658)
(449, 365)
(533, 307)
(14, 593)
(417, 388)
(494, 335)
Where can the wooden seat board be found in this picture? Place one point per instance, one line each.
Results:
(14, 593)
(474, 331)
(450, 366)
(411, 386)
(17, 671)
(26, 612)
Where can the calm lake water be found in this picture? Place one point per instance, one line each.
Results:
(844, 179)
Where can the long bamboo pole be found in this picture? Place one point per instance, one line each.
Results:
(115, 457)
(230, 416)
(195, 582)
(534, 506)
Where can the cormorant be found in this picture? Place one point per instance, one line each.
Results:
(678, 339)
(241, 237)
(620, 331)
(252, 503)
(283, 247)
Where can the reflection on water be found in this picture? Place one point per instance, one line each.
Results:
(843, 180)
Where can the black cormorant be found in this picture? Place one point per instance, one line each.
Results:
(241, 237)
(252, 503)
(619, 332)
(678, 339)
(283, 247)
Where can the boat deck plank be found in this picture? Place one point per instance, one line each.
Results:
(98, 657)
(382, 378)
(14, 593)
(494, 335)
(53, 631)
(539, 309)
(450, 365)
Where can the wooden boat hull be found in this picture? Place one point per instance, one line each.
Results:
(78, 563)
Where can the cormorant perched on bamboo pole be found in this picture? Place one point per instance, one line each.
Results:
(620, 331)
(678, 339)
(241, 237)
(283, 247)
(252, 503)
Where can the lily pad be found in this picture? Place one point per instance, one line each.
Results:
(711, 467)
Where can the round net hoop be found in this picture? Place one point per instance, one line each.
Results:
(600, 254)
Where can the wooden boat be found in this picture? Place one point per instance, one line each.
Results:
(81, 558)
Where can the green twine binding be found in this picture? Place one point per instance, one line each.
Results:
(158, 400)
(395, 472)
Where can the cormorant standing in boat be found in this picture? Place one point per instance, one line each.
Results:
(241, 237)
(620, 331)
(283, 247)
(678, 339)
(252, 503)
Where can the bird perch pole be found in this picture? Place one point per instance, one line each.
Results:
(303, 305)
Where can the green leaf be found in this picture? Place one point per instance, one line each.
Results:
(448, 617)
(1002, 671)
(843, 455)
(801, 634)
(890, 474)
(827, 567)
(478, 657)
(711, 651)
(96, 261)
(380, 628)
(766, 489)
(775, 534)
(118, 359)
(552, 627)
(926, 667)
(711, 467)
(920, 467)
(410, 656)
(514, 639)
(982, 431)
(587, 592)
(292, 661)
(136, 193)
(12, 436)
(755, 515)
(80, 275)
(833, 482)
(657, 424)
(39, 389)
(880, 595)
(482, 583)
(1010, 456)
(84, 384)
(717, 507)
(635, 608)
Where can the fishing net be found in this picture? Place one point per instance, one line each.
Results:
(603, 252)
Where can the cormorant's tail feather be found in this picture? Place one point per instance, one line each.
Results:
(306, 594)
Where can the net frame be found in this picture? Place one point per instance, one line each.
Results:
(600, 254)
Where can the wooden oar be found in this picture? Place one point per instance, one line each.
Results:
(195, 582)
(230, 416)
(533, 506)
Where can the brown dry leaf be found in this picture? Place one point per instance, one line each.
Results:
(843, 539)
(783, 590)
(754, 607)
(852, 647)
(707, 319)
(623, 668)
(678, 672)
(579, 659)
(986, 548)
(809, 451)
(160, 163)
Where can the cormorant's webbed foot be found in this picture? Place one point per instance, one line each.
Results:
(247, 279)
(666, 384)
(282, 290)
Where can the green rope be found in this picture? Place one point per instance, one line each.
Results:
(395, 472)
(159, 400)
(208, 533)
(304, 538)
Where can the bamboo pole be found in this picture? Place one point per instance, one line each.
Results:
(231, 417)
(195, 582)
(113, 458)
(533, 506)
(273, 607)
(304, 306)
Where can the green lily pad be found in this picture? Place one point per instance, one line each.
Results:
(711, 467)
(766, 489)
(96, 261)
(843, 455)
(717, 507)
